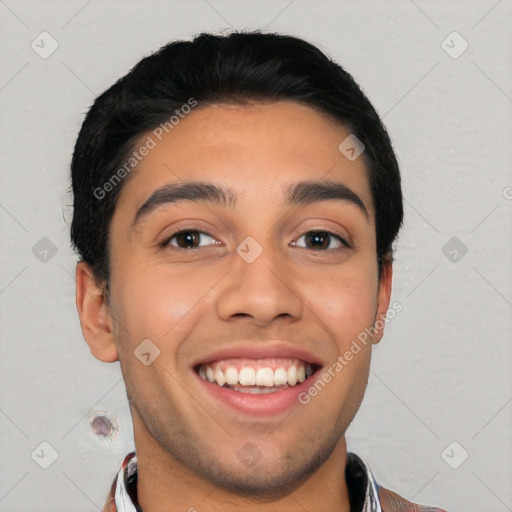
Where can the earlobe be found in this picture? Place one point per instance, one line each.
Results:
(95, 318)
(383, 299)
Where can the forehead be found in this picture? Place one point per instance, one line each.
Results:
(257, 151)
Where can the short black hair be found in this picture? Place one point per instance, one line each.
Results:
(238, 68)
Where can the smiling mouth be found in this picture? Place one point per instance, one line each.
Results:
(256, 376)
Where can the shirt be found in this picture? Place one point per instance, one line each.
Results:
(365, 494)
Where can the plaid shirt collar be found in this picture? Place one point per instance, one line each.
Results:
(363, 489)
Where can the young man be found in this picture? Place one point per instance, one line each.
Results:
(235, 203)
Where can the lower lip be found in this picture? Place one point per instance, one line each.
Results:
(263, 404)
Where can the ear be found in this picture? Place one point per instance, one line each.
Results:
(383, 299)
(95, 319)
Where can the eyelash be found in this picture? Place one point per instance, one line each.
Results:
(166, 242)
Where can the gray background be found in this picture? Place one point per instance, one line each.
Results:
(441, 374)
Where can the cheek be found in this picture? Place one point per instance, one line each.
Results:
(154, 301)
(346, 304)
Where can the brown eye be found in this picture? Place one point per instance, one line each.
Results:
(188, 239)
(322, 240)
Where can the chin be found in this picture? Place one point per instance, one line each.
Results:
(261, 477)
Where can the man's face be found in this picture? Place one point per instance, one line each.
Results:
(256, 287)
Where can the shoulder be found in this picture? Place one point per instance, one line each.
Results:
(392, 502)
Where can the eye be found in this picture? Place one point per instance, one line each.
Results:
(321, 240)
(188, 239)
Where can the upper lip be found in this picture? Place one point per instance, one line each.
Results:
(259, 350)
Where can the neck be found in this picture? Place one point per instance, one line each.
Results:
(165, 484)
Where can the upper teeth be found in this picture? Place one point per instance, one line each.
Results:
(249, 376)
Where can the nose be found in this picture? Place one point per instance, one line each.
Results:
(262, 291)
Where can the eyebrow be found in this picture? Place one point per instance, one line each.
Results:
(297, 194)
